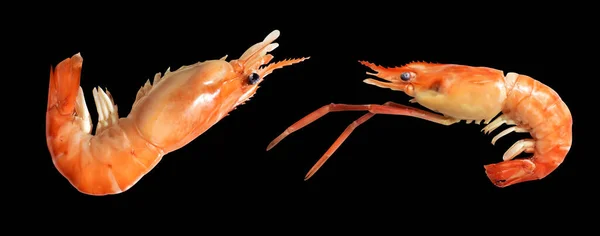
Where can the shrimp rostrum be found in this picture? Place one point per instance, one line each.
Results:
(167, 114)
(476, 95)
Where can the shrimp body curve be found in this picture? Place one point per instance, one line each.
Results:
(167, 114)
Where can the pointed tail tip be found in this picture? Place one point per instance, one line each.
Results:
(77, 56)
(76, 60)
(64, 84)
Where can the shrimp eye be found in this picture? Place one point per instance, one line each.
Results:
(405, 76)
(253, 78)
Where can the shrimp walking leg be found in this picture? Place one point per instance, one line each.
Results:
(353, 126)
(389, 108)
(337, 144)
(396, 109)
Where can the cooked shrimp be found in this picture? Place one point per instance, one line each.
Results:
(473, 94)
(166, 115)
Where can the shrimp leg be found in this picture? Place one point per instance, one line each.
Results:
(388, 108)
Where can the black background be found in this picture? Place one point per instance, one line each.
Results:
(392, 165)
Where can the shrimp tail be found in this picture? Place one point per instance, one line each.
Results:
(511, 172)
(64, 85)
(516, 171)
(65, 99)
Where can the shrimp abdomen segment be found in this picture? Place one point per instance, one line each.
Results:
(126, 154)
(540, 109)
(108, 163)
